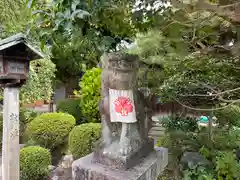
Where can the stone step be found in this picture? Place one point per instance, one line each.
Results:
(156, 133)
(156, 124)
(158, 128)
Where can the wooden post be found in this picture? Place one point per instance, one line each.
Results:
(51, 103)
(10, 145)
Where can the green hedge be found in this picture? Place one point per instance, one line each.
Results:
(82, 138)
(34, 162)
(70, 106)
(50, 129)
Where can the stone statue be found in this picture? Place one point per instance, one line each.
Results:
(125, 113)
(125, 152)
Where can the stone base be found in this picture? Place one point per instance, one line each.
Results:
(148, 169)
(124, 162)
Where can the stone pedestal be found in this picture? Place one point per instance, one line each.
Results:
(124, 162)
(149, 168)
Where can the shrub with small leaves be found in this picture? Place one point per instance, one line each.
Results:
(82, 138)
(89, 93)
(198, 172)
(178, 122)
(228, 116)
(50, 129)
(227, 166)
(70, 106)
(34, 162)
(25, 117)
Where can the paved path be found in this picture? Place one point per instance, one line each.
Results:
(44, 108)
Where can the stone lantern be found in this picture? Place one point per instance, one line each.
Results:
(15, 56)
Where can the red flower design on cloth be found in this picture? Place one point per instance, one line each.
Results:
(123, 105)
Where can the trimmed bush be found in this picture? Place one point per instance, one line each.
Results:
(34, 162)
(70, 106)
(82, 138)
(50, 129)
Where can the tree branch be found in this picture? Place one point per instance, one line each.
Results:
(220, 93)
(199, 109)
(222, 11)
(211, 95)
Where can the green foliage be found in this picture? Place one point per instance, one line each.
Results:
(82, 139)
(185, 75)
(80, 31)
(179, 122)
(229, 116)
(205, 152)
(196, 61)
(45, 69)
(225, 139)
(227, 166)
(30, 91)
(107, 18)
(199, 173)
(34, 162)
(179, 141)
(14, 17)
(218, 149)
(70, 106)
(73, 55)
(89, 94)
(50, 130)
(39, 85)
(25, 117)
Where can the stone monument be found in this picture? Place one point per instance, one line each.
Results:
(124, 152)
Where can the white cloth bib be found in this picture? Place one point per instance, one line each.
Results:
(122, 108)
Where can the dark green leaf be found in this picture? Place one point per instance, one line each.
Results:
(80, 14)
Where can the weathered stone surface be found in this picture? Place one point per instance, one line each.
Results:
(66, 161)
(148, 169)
(125, 151)
(61, 174)
(123, 144)
(64, 170)
(124, 162)
(193, 158)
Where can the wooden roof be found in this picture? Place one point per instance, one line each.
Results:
(18, 40)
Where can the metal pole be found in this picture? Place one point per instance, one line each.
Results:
(10, 145)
